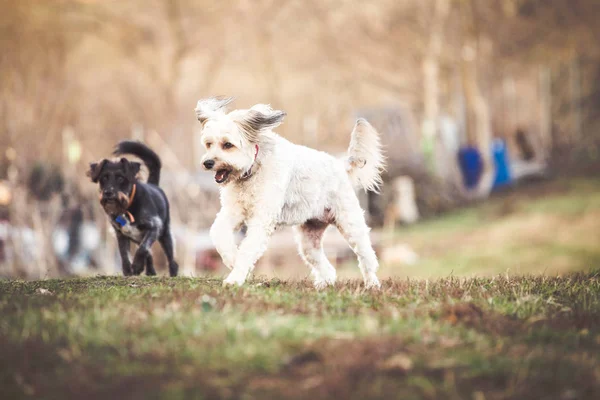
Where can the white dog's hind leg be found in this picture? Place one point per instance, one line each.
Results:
(350, 221)
(250, 250)
(222, 234)
(310, 245)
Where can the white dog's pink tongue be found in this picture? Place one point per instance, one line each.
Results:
(220, 175)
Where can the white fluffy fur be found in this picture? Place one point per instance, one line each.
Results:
(287, 184)
(365, 161)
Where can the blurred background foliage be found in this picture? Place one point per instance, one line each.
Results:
(103, 67)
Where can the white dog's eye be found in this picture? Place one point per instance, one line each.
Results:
(227, 145)
(208, 145)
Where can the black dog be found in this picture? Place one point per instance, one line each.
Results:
(138, 211)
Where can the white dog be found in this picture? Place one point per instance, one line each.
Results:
(267, 181)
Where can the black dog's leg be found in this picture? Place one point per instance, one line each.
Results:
(166, 241)
(150, 271)
(124, 245)
(143, 251)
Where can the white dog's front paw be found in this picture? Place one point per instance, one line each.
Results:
(372, 282)
(235, 278)
(321, 282)
(228, 261)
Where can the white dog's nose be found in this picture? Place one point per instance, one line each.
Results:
(208, 164)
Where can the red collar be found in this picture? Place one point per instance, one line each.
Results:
(248, 173)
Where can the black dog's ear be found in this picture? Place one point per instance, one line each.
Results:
(95, 170)
(132, 168)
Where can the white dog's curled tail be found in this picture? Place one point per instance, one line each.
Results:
(365, 161)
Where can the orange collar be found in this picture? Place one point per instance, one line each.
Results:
(129, 202)
(131, 196)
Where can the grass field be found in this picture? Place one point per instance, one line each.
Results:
(110, 337)
(549, 227)
(454, 337)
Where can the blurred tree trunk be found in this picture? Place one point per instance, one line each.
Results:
(431, 88)
(479, 124)
(576, 99)
(545, 89)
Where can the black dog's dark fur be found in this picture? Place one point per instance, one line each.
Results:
(149, 206)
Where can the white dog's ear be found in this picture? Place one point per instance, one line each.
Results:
(208, 107)
(259, 118)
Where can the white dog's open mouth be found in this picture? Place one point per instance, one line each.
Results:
(222, 175)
